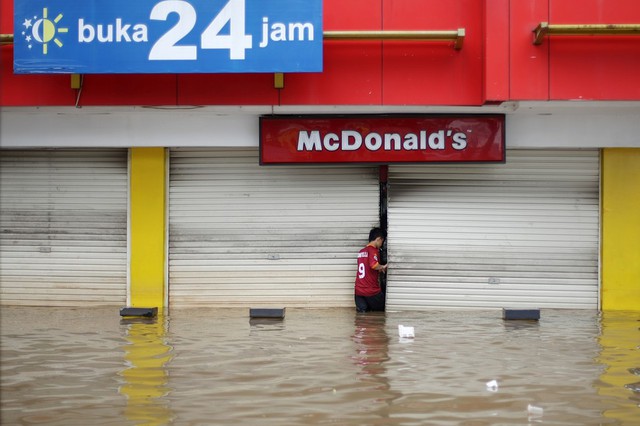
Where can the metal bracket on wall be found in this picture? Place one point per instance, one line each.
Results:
(6, 39)
(278, 80)
(544, 28)
(457, 36)
(76, 83)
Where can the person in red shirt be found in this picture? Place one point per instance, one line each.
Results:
(368, 294)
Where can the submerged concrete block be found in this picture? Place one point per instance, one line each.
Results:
(521, 314)
(266, 312)
(139, 312)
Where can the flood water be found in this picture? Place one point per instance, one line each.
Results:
(62, 366)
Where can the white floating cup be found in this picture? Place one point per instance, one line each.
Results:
(406, 332)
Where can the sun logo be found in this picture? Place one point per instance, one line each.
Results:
(43, 30)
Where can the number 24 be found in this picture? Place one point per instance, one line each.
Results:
(236, 42)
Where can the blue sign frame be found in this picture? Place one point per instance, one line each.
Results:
(167, 36)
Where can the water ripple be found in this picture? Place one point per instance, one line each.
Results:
(332, 366)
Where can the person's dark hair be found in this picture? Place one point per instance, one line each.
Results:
(377, 232)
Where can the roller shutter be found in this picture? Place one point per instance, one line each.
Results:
(242, 234)
(520, 234)
(64, 227)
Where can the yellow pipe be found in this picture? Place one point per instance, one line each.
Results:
(456, 35)
(544, 28)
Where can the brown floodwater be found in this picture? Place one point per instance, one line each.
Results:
(326, 366)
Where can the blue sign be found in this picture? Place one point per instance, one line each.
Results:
(167, 36)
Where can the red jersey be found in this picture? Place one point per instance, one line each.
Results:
(367, 278)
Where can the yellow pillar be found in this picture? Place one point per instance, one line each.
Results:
(147, 216)
(621, 229)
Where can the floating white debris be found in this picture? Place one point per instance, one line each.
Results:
(535, 411)
(406, 332)
(492, 386)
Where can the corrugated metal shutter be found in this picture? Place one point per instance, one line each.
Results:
(245, 235)
(64, 227)
(520, 234)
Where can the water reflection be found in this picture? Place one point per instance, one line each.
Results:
(67, 367)
(620, 355)
(372, 345)
(372, 359)
(266, 324)
(147, 355)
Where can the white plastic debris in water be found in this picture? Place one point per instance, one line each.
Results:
(492, 386)
(406, 332)
(535, 411)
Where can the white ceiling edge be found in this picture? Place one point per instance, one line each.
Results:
(511, 107)
(528, 124)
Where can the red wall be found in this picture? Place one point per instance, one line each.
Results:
(528, 64)
(574, 67)
(595, 67)
(497, 62)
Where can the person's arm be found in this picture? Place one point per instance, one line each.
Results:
(374, 264)
(379, 267)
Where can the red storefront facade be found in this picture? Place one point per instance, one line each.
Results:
(578, 88)
(497, 62)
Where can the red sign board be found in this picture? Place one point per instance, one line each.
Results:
(382, 139)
